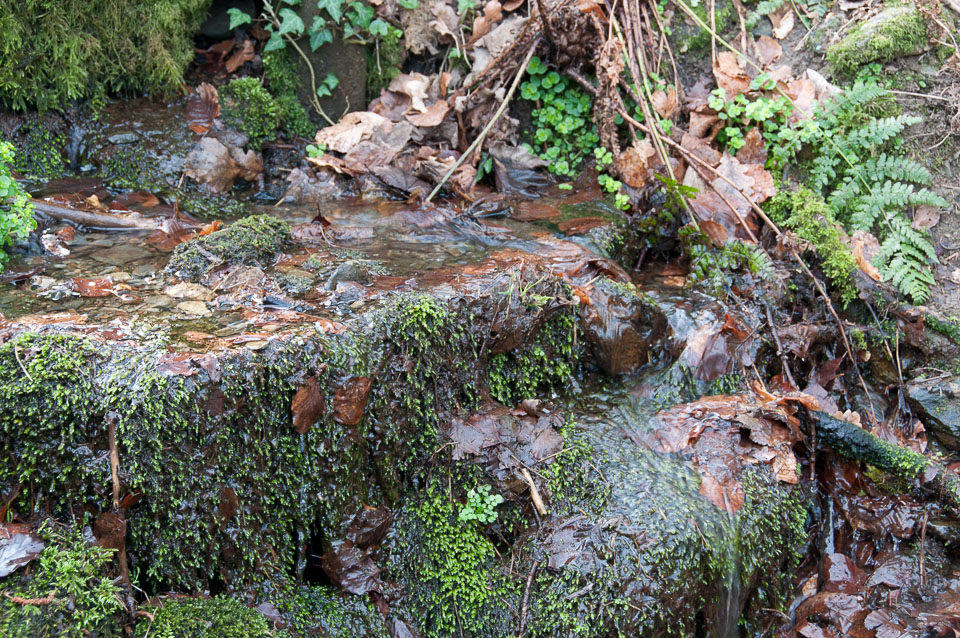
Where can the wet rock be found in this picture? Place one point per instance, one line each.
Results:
(121, 254)
(251, 241)
(348, 271)
(125, 137)
(185, 290)
(622, 327)
(938, 404)
(196, 308)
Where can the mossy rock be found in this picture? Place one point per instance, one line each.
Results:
(896, 31)
(220, 617)
(54, 53)
(312, 610)
(249, 108)
(40, 150)
(251, 241)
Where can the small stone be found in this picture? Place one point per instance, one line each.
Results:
(119, 255)
(144, 270)
(157, 301)
(197, 308)
(126, 137)
(190, 291)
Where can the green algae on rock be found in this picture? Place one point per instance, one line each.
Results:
(251, 241)
(219, 617)
(250, 108)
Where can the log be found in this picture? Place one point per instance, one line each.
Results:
(97, 220)
(853, 442)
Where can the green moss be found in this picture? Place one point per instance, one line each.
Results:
(40, 152)
(45, 409)
(453, 585)
(695, 38)
(130, 167)
(327, 612)
(805, 212)
(897, 31)
(53, 53)
(253, 241)
(209, 205)
(546, 363)
(219, 617)
(949, 328)
(283, 81)
(383, 63)
(250, 109)
(573, 482)
(85, 601)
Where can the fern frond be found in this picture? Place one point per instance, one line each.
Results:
(897, 168)
(845, 196)
(873, 205)
(925, 197)
(851, 102)
(879, 131)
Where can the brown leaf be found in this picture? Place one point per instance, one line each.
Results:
(728, 496)
(352, 569)
(754, 150)
(716, 232)
(351, 129)
(216, 167)
(730, 76)
(229, 503)
(665, 102)
(925, 217)
(241, 56)
(413, 85)
(701, 148)
(782, 20)
(100, 287)
(702, 123)
(768, 50)
(350, 400)
(863, 263)
(433, 116)
(18, 546)
(492, 13)
(308, 405)
(177, 364)
(369, 526)
(203, 107)
(636, 164)
(580, 225)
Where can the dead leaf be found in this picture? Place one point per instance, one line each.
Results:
(716, 232)
(414, 86)
(864, 264)
(203, 107)
(636, 163)
(100, 287)
(352, 569)
(216, 167)
(925, 217)
(176, 364)
(665, 102)
(768, 50)
(18, 546)
(433, 116)
(729, 75)
(351, 129)
(492, 13)
(241, 56)
(754, 150)
(350, 400)
(308, 405)
(782, 20)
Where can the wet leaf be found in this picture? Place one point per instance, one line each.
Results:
(229, 503)
(581, 225)
(350, 400)
(841, 574)
(100, 287)
(18, 546)
(216, 167)
(369, 527)
(351, 569)
(351, 130)
(203, 107)
(308, 405)
(176, 363)
(241, 56)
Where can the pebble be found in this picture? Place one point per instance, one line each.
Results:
(197, 308)
(189, 291)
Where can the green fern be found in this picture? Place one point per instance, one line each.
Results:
(711, 265)
(868, 183)
(765, 7)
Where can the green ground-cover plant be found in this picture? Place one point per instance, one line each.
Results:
(481, 505)
(711, 265)
(16, 211)
(84, 601)
(250, 108)
(53, 53)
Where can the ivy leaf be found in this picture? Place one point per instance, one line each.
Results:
(319, 38)
(292, 23)
(333, 7)
(238, 17)
(362, 14)
(274, 43)
(328, 85)
(379, 27)
(292, 2)
(408, 4)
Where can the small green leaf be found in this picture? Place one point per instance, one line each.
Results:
(238, 18)
(274, 43)
(333, 7)
(379, 27)
(319, 38)
(331, 81)
(409, 4)
(291, 22)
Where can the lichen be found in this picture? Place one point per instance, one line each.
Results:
(252, 241)
(896, 31)
(219, 617)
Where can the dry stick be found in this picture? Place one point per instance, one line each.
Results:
(743, 25)
(780, 352)
(534, 492)
(490, 124)
(115, 478)
(673, 61)
(525, 604)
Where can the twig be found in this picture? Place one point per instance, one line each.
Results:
(923, 95)
(780, 352)
(490, 124)
(534, 492)
(525, 604)
(923, 548)
(16, 354)
(46, 600)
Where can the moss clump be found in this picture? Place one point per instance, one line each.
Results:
(283, 81)
(220, 617)
(324, 611)
(691, 37)
(130, 167)
(384, 63)
(808, 214)
(84, 600)
(547, 362)
(448, 564)
(949, 328)
(896, 31)
(208, 205)
(45, 412)
(53, 53)
(252, 241)
(250, 109)
(39, 151)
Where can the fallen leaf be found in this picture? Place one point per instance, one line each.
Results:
(864, 264)
(240, 56)
(636, 163)
(350, 401)
(492, 13)
(176, 364)
(768, 50)
(352, 569)
(203, 107)
(925, 217)
(351, 129)
(729, 75)
(782, 20)
(433, 116)
(18, 546)
(665, 102)
(308, 405)
(369, 526)
(754, 149)
(216, 167)
(100, 287)
(716, 232)
(414, 86)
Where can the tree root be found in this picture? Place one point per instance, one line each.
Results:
(853, 442)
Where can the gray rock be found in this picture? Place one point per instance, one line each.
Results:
(125, 137)
(348, 271)
(938, 404)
